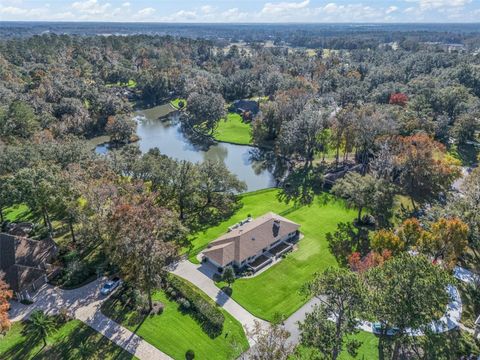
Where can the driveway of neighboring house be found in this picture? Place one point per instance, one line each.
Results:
(84, 304)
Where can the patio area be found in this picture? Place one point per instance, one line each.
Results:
(260, 262)
(280, 249)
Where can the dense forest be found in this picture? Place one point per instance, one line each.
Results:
(376, 119)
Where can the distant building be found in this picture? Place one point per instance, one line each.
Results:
(253, 242)
(25, 263)
(247, 108)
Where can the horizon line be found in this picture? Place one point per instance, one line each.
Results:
(241, 23)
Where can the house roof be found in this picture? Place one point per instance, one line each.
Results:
(247, 105)
(23, 259)
(249, 239)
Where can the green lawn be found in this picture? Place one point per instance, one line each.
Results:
(368, 350)
(63, 344)
(175, 102)
(234, 130)
(130, 84)
(254, 203)
(18, 212)
(175, 332)
(466, 154)
(277, 289)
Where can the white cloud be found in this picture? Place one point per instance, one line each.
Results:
(437, 4)
(126, 4)
(233, 14)
(391, 9)
(283, 7)
(12, 10)
(90, 7)
(146, 12)
(333, 12)
(207, 9)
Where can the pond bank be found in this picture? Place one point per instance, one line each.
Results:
(159, 127)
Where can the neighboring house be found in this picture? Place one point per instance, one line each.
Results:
(25, 263)
(253, 243)
(247, 108)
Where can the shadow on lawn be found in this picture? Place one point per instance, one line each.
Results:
(119, 309)
(23, 349)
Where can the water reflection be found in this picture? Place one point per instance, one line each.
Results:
(250, 164)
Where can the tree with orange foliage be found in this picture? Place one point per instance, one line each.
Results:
(446, 240)
(410, 232)
(144, 240)
(372, 259)
(423, 172)
(398, 99)
(386, 240)
(5, 295)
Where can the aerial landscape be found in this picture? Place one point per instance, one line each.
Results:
(265, 180)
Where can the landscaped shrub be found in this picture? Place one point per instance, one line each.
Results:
(184, 304)
(217, 277)
(157, 308)
(204, 311)
(190, 355)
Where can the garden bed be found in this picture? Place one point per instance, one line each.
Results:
(280, 249)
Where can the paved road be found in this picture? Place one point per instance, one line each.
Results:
(291, 324)
(450, 320)
(84, 303)
(201, 276)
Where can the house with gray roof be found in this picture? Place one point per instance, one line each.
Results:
(25, 262)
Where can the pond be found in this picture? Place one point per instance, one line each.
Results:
(167, 136)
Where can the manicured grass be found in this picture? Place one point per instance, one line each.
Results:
(175, 332)
(234, 130)
(368, 350)
(130, 84)
(255, 204)
(466, 154)
(175, 103)
(277, 289)
(159, 111)
(62, 344)
(17, 212)
(98, 140)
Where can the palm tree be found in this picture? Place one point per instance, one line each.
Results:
(41, 325)
(84, 350)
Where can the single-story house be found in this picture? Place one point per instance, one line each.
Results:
(25, 263)
(247, 108)
(253, 242)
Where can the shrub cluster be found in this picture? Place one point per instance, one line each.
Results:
(202, 310)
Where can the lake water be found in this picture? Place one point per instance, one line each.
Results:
(167, 136)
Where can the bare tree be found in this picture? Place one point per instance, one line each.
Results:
(271, 343)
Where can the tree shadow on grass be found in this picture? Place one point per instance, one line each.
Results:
(97, 346)
(23, 349)
(122, 313)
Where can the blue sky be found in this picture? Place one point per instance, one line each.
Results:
(243, 10)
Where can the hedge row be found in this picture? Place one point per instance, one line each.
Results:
(204, 311)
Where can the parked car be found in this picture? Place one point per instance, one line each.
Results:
(110, 285)
(377, 329)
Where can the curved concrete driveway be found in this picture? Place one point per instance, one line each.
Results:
(84, 304)
(201, 276)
